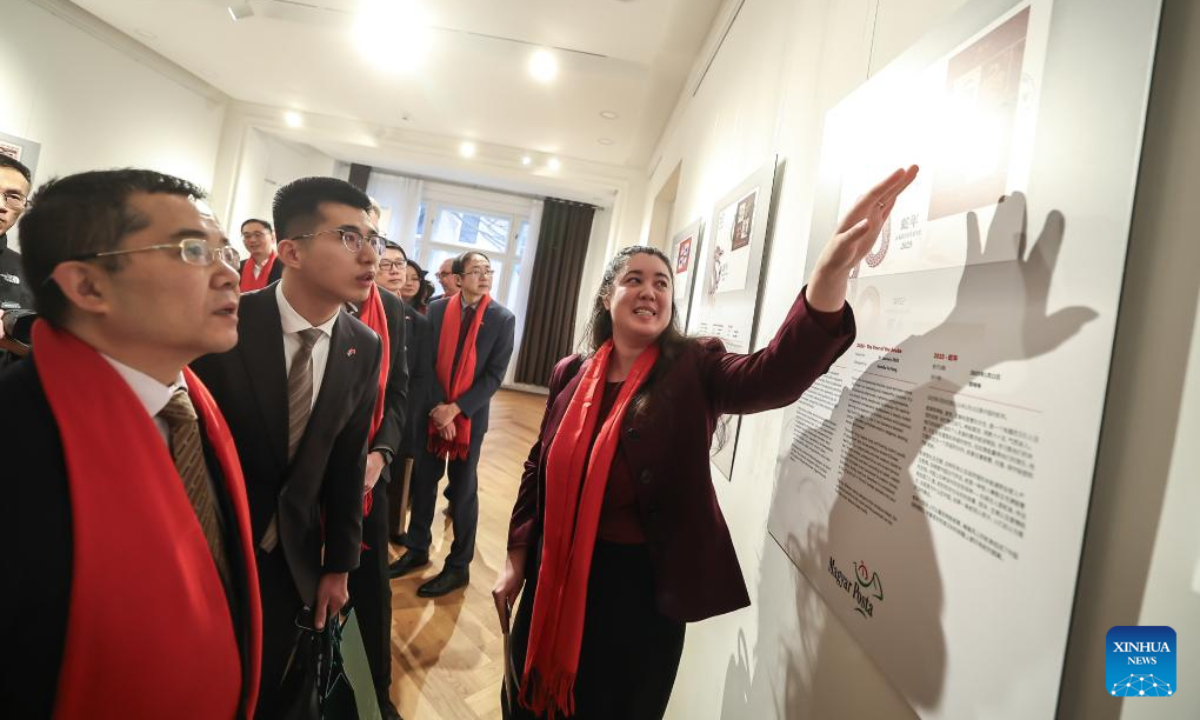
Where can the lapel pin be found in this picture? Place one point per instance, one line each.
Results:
(351, 352)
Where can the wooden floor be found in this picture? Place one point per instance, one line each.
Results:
(447, 653)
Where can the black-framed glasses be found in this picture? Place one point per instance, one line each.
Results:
(192, 251)
(480, 272)
(352, 240)
(389, 265)
(16, 200)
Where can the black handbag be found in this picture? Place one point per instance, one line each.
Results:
(315, 686)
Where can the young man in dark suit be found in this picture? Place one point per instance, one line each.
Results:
(133, 590)
(370, 586)
(472, 342)
(299, 391)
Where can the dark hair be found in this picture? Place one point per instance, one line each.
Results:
(459, 266)
(671, 343)
(15, 164)
(393, 245)
(264, 223)
(83, 214)
(297, 204)
(421, 299)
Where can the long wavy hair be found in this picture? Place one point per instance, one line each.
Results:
(672, 342)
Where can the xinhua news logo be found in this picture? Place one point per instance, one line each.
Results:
(1141, 661)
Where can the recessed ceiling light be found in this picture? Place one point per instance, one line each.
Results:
(543, 66)
(467, 149)
(293, 119)
(526, 160)
(394, 35)
(606, 141)
(553, 164)
(609, 115)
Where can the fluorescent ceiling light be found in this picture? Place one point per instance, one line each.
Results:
(543, 66)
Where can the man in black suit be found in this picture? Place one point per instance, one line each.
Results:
(133, 279)
(370, 586)
(299, 390)
(420, 373)
(447, 415)
(259, 238)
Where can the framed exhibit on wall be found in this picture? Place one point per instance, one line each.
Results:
(934, 485)
(725, 299)
(685, 257)
(21, 149)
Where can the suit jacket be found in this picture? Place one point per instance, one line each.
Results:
(36, 527)
(249, 384)
(419, 350)
(275, 274)
(493, 350)
(391, 433)
(696, 571)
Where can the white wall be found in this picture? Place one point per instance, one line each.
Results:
(783, 64)
(268, 163)
(93, 106)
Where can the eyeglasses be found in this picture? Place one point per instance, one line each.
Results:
(192, 251)
(389, 265)
(256, 234)
(352, 240)
(16, 200)
(480, 273)
(445, 273)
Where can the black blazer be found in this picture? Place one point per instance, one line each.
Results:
(418, 337)
(275, 274)
(36, 528)
(249, 384)
(392, 427)
(493, 350)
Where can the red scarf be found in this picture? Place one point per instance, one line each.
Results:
(464, 374)
(373, 316)
(136, 540)
(575, 486)
(249, 282)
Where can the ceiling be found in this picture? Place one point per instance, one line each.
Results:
(628, 57)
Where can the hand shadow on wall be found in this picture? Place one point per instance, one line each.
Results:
(1000, 306)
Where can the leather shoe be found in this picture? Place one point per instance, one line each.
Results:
(447, 581)
(408, 562)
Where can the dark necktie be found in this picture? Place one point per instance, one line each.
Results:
(188, 455)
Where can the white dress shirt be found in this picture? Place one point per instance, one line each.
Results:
(153, 395)
(293, 323)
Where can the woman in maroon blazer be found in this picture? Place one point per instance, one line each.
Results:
(616, 526)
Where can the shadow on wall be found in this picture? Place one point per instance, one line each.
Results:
(804, 663)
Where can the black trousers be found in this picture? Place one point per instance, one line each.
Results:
(630, 651)
(371, 590)
(280, 604)
(464, 501)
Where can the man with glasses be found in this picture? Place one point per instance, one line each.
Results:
(300, 391)
(132, 580)
(472, 341)
(16, 299)
(450, 282)
(261, 269)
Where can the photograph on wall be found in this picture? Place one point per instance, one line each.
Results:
(933, 486)
(685, 249)
(17, 148)
(725, 301)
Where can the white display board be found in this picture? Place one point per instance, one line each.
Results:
(934, 486)
(725, 300)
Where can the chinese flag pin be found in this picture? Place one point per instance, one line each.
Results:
(351, 352)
